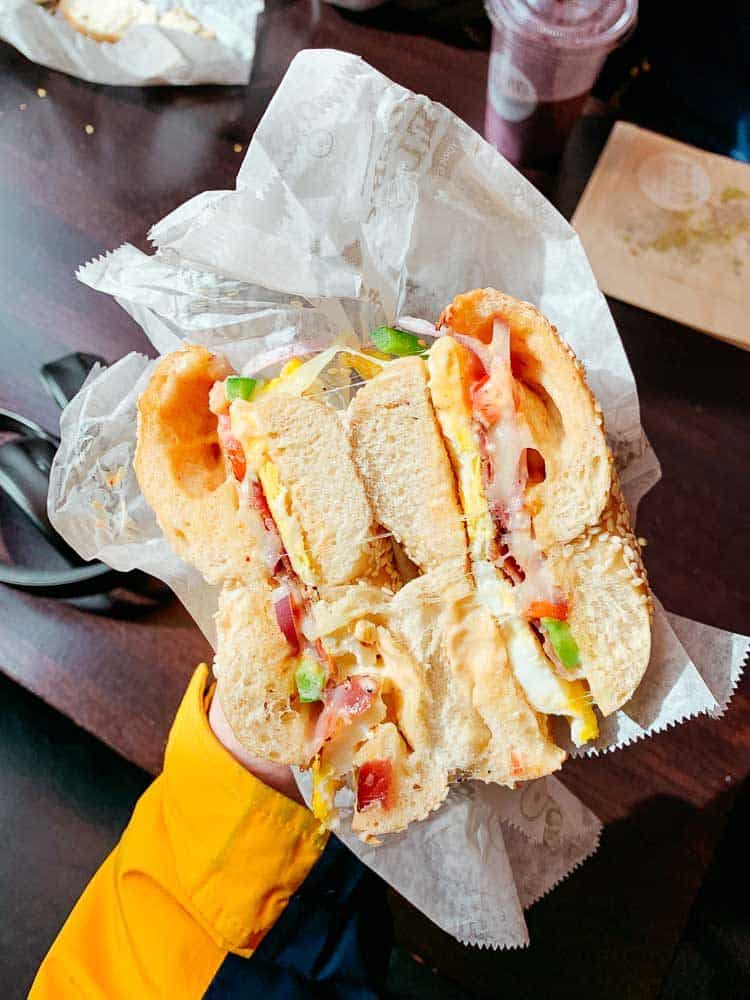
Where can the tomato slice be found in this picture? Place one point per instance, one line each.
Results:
(232, 447)
(259, 502)
(375, 784)
(548, 609)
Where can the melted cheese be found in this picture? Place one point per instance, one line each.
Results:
(342, 608)
(494, 592)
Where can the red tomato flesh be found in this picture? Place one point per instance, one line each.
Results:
(516, 764)
(375, 784)
(259, 502)
(232, 447)
(548, 609)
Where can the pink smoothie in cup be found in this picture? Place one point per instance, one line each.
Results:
(546, 55)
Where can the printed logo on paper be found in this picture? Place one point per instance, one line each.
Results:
(674, 182)
(320, 143)
(513, 95)
(538, 804)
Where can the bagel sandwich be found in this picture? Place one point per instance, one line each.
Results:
(422, 550)
(339, 648)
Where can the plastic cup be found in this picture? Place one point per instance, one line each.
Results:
(546, 55)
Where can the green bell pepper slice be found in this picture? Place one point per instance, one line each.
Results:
(310, 678)
(389, 340)
(240, 387)
(562, 641)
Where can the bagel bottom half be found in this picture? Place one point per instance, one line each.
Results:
(254, 670)
(610, 613)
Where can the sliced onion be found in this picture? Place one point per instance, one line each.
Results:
(420, 327)
(284, 610)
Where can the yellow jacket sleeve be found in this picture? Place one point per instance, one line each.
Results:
(206, 865)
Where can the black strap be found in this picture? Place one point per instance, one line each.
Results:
(25, 463)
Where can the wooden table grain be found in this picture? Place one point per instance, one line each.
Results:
(67, 193)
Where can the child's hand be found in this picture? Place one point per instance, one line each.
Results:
(276, 776)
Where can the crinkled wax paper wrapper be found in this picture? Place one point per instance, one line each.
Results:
(146, 54)
(357, 202)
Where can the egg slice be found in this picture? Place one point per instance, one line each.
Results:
(324, 788)
(456, 423)
(545, 690)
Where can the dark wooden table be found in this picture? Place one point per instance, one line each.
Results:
(66, 195)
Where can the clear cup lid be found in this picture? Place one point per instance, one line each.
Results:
(577, 24)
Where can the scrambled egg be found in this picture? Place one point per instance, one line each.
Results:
(277, 495)
(289, 368)
(324, 788)
(458, 431)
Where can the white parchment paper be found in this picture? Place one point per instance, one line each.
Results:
(146, 54)
(357, 202)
